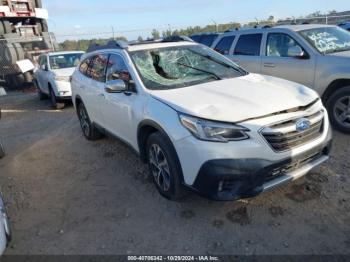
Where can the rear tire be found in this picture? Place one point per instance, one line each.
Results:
(15, 81)
(42, 26)
(2, 28)
(164, 166)
(38, 3)
(90, 132)
(56, 105)
(338, 106)
(7, 27)
(19, 51)
(8, 53)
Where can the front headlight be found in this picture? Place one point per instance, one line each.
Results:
(214, 131)
(62, 78)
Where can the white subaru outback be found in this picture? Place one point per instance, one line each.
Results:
(199, 120)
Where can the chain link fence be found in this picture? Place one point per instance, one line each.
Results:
(327, 20)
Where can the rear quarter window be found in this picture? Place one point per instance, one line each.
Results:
(249, 45)
(196, 38)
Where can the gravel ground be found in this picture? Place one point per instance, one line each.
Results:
(66, 195)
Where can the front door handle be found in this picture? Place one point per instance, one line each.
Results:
(102, 95)
(270, 65)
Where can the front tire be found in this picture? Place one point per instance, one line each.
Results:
(338, 106)
(2, 151)
(89, 130)
(55, 104)
(164, 166)
(41, 95)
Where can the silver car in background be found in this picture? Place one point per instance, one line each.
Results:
(317, 56)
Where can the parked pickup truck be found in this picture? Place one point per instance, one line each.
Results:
(317, 56)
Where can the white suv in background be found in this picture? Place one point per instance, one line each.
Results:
(317, 56)
(52, 77)
(199, 120)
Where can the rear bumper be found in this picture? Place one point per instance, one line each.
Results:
(233, 179)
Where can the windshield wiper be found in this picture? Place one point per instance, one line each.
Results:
(201, 70)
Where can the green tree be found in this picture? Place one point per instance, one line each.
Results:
(155, 34)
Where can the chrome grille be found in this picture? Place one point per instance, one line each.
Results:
(285, 136)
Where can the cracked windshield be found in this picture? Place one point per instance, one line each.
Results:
(177, 67)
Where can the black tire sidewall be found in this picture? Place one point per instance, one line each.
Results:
(176, 191)
(2, 28)
(38, 3)
(53, 98)
(40, 93)
(2, 150)
(7, 27)
(344, 91)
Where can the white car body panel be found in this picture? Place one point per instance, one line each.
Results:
(255, 101)
(194, 153)
(232, 101)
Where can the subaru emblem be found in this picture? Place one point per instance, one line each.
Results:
(302, 124)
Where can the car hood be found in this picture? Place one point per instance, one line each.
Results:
(64, 72)
(237, 99)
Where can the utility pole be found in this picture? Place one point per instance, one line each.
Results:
(216, 26)
(113, 32)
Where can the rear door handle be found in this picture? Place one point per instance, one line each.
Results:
(270, 65)
(101, 95)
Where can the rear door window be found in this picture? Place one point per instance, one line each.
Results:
(249, 45)
(224, 46)
(84, 66)
(97, 69)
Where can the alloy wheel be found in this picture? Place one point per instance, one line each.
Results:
(84, 121)
(342, 111)
(159, 167)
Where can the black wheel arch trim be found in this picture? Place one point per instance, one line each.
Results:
(333, 87)
(142, 145)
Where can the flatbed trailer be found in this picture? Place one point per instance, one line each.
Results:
(23, 35)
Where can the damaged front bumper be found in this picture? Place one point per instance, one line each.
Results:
(234, 179)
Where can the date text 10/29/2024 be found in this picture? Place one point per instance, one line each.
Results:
(173, 258)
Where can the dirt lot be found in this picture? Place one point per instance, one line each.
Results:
(66, 195)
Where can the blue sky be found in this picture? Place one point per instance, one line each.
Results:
(88, 18)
